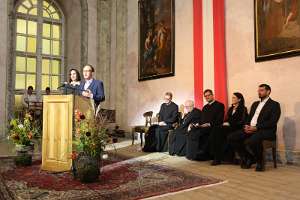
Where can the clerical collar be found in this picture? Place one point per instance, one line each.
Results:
(168, 103)
(210, 103)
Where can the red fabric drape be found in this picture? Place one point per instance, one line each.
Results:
(220, 51)
(198, 53)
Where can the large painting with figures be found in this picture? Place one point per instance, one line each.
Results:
(277, 29)
(156, 39)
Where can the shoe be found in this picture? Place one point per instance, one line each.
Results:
(215, 162)
(260, 167)
(249, 163)
(243, 163)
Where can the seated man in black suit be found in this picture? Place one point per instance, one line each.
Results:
(177, 140)
(168, 115)
(157, 135)
(198, 135)
(261, 125)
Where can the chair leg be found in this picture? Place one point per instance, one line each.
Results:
(274, 157)
(132, 137)
(141, 136)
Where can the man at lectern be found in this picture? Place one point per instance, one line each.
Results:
(92, 88)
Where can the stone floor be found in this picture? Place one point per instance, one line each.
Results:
(282, 183)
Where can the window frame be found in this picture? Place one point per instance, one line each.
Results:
(38, 55)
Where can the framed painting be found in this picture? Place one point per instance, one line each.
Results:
(277, 29)
(156, 39)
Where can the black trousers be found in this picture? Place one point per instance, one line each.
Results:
(161, 137)
(177, 142)
(219, 148)
(249, 146)
(197, 144)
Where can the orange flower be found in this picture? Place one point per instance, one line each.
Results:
(74, 155)
(30, 135)
(15, 136)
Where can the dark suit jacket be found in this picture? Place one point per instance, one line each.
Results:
(238, 119)
(268, 117)
(97, 89)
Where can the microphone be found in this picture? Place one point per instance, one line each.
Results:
(63, 85)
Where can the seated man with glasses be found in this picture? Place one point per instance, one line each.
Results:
(198, 133)
(157, 136)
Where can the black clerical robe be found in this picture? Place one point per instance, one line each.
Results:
(198, 138)
(177, 139)
(169, 114)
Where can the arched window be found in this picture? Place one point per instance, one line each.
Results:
(39, 46)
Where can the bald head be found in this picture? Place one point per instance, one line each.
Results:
(188, 106)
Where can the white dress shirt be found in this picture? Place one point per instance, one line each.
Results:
(28, 99)
(257, 111)
(87, 84)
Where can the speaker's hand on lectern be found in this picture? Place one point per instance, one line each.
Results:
(87, 93)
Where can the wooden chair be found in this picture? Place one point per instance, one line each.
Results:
(142, 129)
(267, 144)
(148, 118)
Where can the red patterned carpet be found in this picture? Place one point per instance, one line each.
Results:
(118, 180)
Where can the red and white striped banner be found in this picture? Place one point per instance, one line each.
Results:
(209, 50)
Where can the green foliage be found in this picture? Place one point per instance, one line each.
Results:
(90, 135)
(22, 131)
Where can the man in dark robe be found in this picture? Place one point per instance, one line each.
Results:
(177, 138)
(198, 135)
(168, 115)
(157, 135)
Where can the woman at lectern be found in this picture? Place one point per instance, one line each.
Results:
(72, 86)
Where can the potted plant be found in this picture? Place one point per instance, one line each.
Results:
(21, 132)
(89, 143)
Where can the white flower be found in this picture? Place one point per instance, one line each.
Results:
(21, 126)
(104, 156)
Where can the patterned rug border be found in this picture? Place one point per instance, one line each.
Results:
(186, 190)
(142, 161)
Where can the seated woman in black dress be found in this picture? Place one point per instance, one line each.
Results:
(235, 120)
(72, 86)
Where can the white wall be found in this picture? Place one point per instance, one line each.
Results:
(245, 75)
(148, 95)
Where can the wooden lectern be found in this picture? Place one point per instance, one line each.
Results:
(58, 128)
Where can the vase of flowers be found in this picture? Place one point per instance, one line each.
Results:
(89, 143)
(21, 132)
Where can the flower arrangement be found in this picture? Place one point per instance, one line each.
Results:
(21, 132)
(90, 135)
(89, 143)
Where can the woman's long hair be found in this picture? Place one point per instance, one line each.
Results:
(241, 98)
(77, 75)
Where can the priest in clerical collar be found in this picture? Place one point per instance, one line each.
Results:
(198, 136)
